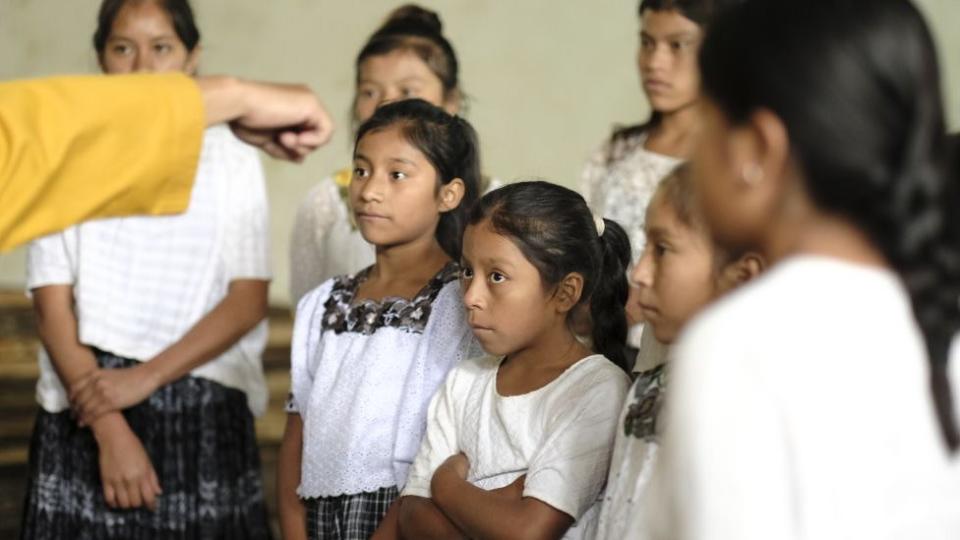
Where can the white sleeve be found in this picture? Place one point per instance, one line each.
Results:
(724, 465)
(439, 442)
(594, 173)
(447, 341)
(304, 347)
(315, 216)
(569, 470)
(51, 260)
(247, 236)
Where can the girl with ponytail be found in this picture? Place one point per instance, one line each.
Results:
(818, 402)
(518, 442)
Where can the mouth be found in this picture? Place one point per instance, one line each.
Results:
(648, 310)
(479, 328)
(656, 85)
(369, 216)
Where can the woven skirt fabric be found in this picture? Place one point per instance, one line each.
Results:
(200, 438)
(348, 517)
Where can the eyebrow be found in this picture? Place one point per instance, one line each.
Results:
(358, 157)
(676, 36)
(658, 232)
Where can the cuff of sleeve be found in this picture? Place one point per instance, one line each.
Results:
(185, 144)
(411, 490)
(567, 507)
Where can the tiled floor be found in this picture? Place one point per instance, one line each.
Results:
(18, 372)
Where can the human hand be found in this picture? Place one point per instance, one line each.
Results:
(286, 121)
(129, 479)
(110, 390)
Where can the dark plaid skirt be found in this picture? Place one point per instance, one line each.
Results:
(199, 436)
(348, 517)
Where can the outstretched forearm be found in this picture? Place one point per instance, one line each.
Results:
(420, 518)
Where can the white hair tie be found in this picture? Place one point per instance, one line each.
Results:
(599, 224)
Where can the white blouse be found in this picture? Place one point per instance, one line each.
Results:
(619, 180)
(559, 435)
(362, 375)
(141, 283)
(799, 407)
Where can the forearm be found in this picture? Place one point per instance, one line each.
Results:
(57, 327)
(421, 518)
(293, 522)
(483, 514)
(223, 98)
(244, 306)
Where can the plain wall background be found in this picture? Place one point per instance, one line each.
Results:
(547, 79)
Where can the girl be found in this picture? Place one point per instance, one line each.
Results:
(537, 416)
(620, 178)
(407, 57)
(370, 349)
(681, 271)
(153, 329)
(824, 148)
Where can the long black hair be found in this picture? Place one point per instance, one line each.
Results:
(449, 143)
(556, 232)
(857, 85)
(181, 16)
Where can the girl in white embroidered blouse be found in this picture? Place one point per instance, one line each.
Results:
(369, 350)
(620, 177)
(518, 442)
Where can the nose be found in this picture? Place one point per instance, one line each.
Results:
(473, 294)
(143, 62)
(371, 189)
(655, 58)
(643, 269)
(388, 96)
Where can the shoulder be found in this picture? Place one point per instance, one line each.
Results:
(464, 374)
(594, 376)
(315, 299)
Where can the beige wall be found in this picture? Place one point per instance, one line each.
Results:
(548, 78)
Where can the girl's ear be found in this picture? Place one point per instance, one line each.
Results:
(568, 292)
(451, 194)
(452, 102)
(740, 271)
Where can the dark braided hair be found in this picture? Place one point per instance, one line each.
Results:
(449, 143)
(555, 231)
(857, 85)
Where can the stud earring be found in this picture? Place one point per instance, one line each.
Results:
(751, 174)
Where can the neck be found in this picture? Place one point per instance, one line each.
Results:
(679, 123)
(396, 262)
(823, 235)
(556, 348)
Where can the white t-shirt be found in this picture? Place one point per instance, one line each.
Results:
(800, 408)
(140, 283)
(559, 435)
(362, 375)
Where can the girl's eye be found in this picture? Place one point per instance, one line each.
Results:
(121, 49)
(646, 43)
(679, 45)
(359, 172)
(466, 273)
(397, 175)
(162, 48)
(409, 92)
(497, 277)
(367, 93)
(659, 249)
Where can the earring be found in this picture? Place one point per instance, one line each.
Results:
(751, 174)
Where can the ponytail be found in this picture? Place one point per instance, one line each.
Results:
(607, 304)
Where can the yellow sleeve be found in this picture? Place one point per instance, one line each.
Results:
(78, 148)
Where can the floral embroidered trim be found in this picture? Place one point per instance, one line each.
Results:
(341, 314)
(645, 404)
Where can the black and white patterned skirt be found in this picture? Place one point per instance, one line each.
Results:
(199, 436)
(348, 517)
